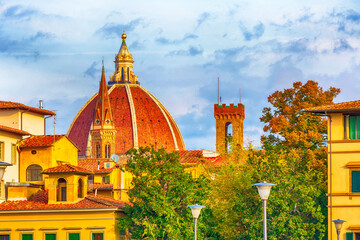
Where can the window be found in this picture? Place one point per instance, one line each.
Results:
(98, 236)
(355, 181)
(50, 236)
(2, 151)
(1, 190)
(80, 189)
(74, 236)
(107, 150)
(26, 237)
(4, 237)
(106, 179)
(33, 173)
(61, 190)
(351, 127)
(13, 154)
(98, 150)
(107, 165)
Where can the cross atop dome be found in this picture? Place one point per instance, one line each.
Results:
(123, 66)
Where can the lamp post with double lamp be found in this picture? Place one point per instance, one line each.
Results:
(264, 192)
(338, 224)
(195, 210)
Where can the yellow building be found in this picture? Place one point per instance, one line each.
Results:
(343, 167)
(9, 139)
(16, 122)
(42, 152)
(61, 211)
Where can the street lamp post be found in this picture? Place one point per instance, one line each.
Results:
(264, 192)
(195, 210)
(338, 224)
(3, 165)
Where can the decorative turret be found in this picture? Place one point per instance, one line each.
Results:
(103, 129)
(123, 66)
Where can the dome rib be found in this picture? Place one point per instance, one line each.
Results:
(157, 102)
(133, 116)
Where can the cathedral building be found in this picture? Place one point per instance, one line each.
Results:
(123, 115)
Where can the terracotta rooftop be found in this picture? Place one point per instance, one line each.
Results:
(13, 130)
(352, 106)
(40, 141)
(20, 106)
(197, 156)
(39, 201)
(67, 168)
(91, 164)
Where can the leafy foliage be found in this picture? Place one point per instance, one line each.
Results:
(297, 205)
(161, 192)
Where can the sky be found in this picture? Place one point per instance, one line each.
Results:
(53, 51)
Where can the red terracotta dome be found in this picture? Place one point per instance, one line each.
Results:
(138, 117)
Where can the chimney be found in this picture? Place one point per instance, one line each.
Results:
(41, 104)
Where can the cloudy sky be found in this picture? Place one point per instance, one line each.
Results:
(52, 50)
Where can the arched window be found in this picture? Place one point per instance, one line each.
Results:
(228, 135)
(98, 150)
(107, 150)
(128, 74)
(33, 173)
(80, 188)
(61, 190)
(122, 75)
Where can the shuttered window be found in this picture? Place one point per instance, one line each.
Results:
(355, 181)
(349, 236)
(74, 236)
(27, 237)
(50, 236)
(97, 236)
(4, 237)
(352, 127)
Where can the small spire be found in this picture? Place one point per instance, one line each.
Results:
(123, 36)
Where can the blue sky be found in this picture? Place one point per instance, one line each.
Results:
(52, 50)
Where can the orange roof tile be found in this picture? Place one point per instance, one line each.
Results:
(39, 201)
(20, 106)
(91, 164)
(353, 106)
(67, 168)
(13, 130)
(40, 141)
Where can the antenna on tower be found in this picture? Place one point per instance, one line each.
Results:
(54, 123)
(218, 91)
(239, 95)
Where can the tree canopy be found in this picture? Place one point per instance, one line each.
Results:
(161, 192)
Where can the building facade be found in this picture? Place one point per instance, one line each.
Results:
(343, 167)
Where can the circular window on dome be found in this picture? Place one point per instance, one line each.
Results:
(33, 151)
(107, 121)
(97, 121)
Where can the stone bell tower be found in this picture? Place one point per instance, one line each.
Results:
(229, 125)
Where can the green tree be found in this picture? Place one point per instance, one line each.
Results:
(161, 192)
(294, 210)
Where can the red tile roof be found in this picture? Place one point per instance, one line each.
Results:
(353, 106)
(40, 141)
(20, 106)
(39, 201)
(91, 164)
(13, 130)
(67, 168)
(152, 127)
(197, 156)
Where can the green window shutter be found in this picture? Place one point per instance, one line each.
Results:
(27, 237)
(349, 236)
(107, 180)
(355, 181)
(352, 127)
(74, 236)
(50, 236)
(98, 236)
(358, 127)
